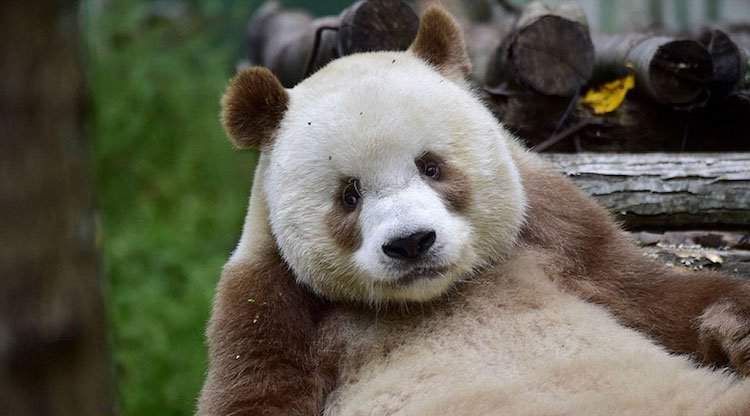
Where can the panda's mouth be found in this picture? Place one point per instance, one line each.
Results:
(427, 273)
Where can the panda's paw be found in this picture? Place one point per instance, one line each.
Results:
(725, 335)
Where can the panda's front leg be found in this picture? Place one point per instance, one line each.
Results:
(715, 311)
(724, 334)
(261, 339)
(704, 314)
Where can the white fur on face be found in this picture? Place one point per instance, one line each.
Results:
(402, 212)
(394, 212)
(369, 117)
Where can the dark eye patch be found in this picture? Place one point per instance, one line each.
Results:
(445, 178)
(343, 218)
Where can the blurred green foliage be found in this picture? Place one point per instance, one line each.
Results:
(171, 192)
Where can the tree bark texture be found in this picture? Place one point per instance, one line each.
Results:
(666, 191)
(53, 354)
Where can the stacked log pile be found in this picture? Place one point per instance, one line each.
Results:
(537, 64)
(562, 89)
(689, 94)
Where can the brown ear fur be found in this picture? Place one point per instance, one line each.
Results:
(252, 107)
(440, 42)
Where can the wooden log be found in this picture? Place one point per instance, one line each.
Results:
(549, 51)
(639, 124)
(729, 60)
(377, 25)
(283, 41)
(53, 342)
(685, 239)
(666, 191)
(676, 72)
(293, 44)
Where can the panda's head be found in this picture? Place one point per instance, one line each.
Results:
(385, 178)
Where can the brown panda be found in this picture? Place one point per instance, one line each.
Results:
(403, 255)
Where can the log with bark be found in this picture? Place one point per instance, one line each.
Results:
(53, 344)
(666, 191)
(689, 96)
(677, 72)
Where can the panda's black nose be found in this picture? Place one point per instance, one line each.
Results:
(410, 247)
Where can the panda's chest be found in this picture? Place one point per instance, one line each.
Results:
(516, 346)
(492, 332)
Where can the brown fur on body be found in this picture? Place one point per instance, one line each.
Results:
(596, 260)
(265, 332)
(261, 331)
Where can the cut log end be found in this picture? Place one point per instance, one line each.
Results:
(680, 72)
(728, 58)
(549, 51)
(553, 55)
(377, 25)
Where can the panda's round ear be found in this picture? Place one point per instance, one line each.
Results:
(440, 42)
(252, 107)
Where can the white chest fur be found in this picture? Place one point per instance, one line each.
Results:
(512, 343)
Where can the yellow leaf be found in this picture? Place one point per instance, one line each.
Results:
(607, 97)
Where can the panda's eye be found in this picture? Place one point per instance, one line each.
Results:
(431, 170)
(428, 168)
(350, 196)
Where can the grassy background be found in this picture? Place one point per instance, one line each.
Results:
(171, 193)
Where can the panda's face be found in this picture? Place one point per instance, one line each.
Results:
(388, 182)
